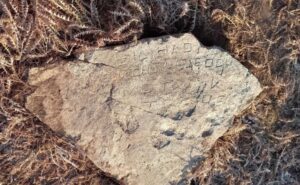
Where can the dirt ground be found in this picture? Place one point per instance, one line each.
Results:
(262, 147)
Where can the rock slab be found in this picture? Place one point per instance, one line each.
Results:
(145, 113)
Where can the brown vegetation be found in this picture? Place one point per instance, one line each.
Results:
(263, 145)
(261, 148)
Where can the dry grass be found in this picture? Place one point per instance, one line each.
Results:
(261, 148)
(33, 29)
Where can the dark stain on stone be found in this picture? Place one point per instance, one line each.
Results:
(161, 144)
(190, 112)
(168, 132)
(207, 133)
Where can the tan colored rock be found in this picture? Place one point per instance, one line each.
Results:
(145, 113)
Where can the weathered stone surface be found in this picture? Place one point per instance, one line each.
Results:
(145, 113)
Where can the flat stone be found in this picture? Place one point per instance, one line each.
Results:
(147, 112)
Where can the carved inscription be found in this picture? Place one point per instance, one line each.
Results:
(162, 59)
(164, 73)
(156, 61)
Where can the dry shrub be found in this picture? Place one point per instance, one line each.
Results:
(33, 29)
(263, 145)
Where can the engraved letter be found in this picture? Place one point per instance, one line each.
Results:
(206, 98)
(187, 47)
(209, 62)
(214, 83)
